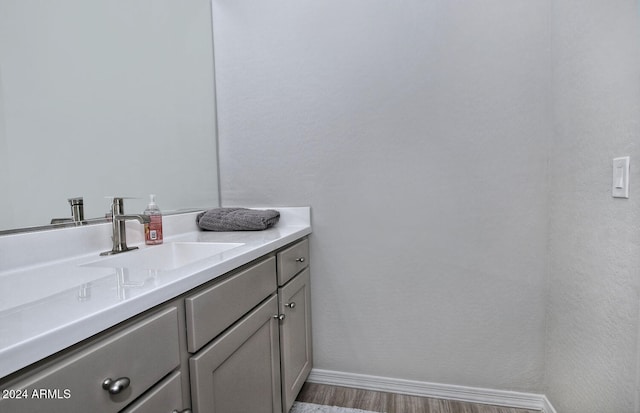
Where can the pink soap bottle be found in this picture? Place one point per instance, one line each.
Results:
(153, 230)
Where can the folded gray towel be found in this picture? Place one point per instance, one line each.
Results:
(237, 219)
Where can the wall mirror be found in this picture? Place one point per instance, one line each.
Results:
(105, 98)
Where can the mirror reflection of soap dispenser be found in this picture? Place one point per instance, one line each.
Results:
(153, 230)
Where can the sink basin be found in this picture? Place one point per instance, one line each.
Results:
(168, 256)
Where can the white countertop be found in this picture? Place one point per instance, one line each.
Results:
(49, 301)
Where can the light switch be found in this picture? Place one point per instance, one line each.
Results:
(620, 186)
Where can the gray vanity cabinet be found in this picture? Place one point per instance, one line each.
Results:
(259, 363)
(240, 343)
(240, 371)
(295, 325)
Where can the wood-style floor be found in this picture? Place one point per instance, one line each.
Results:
(392, 403)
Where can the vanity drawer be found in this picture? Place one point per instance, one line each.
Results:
(213, 310)
(292, 260)
(76, 382)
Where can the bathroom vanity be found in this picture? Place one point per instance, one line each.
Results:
(221, 324)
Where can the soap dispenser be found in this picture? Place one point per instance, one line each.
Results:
(153, 230)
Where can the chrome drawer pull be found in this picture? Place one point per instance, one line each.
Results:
(301, 259)
(115, 387)
(290, 305)
(279, 316)
(182, 411)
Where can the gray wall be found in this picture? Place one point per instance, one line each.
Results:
(457, 156)
(594, 239)
(418, 131)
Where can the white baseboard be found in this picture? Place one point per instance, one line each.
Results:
(436, 390)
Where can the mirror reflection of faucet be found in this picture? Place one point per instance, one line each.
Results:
(123, 283)
(84, 292)
(118, 219)
(77, 212)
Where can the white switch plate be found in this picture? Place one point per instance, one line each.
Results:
(620, 185)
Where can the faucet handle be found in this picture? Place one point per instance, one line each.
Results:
(117, 205)
(76, 201)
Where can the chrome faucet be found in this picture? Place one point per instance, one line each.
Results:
(77, 212)
(77, 208)
(118, 219)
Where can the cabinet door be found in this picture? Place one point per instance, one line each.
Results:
(240, 371)
(295, 336)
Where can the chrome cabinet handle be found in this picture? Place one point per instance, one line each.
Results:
(280, 316)
(301, 259)
(290, 305)
(116, 386)
(181, 411)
